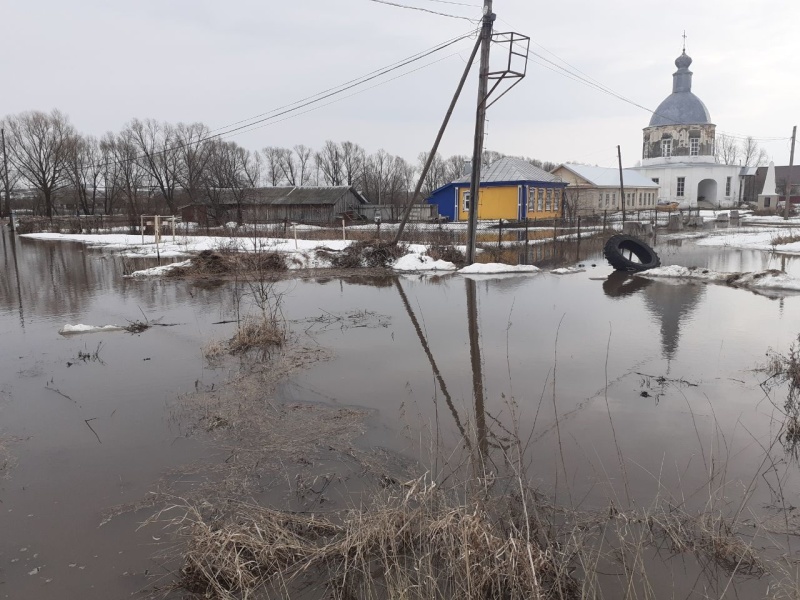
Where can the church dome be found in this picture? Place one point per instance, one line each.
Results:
(681, 107)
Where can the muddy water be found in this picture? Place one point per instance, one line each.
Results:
(90, 434)
(625, 388)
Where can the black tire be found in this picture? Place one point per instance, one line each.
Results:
(618, 246)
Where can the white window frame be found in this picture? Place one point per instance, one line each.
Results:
(694, 146)
(680, 188)
(467, 197)
(666, 148)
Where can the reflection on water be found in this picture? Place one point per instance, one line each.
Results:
(670, 302)
(606, 329)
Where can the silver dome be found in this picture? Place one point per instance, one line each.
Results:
(681, 107)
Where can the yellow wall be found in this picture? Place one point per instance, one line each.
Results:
(495, 203)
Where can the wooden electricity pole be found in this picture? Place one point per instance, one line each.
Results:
(621, 184)
(480, 123)
(7, 202)
(789, 177)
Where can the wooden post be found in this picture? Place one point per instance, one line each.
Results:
(621, 184)
(605, 216)
(141, 226)
(500, 234)
(294, 226)
(789, 177)
(480, 125)
(579, 228)
(344, 235)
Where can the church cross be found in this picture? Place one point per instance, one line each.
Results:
(684, 41)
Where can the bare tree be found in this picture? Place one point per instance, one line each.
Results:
(437, 173)
(157, 147)
(39, 146)
(456, 167)
(353, 159)
(7, 169)
(303, 154)
(112, 183)
(753, 155)
(193, 154)
(272, 156)
(85, 172)
(329, 162)
(132, 175)
(253, 168)
(288, 165)
(726, 149)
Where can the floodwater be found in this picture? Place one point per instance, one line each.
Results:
(623, 388)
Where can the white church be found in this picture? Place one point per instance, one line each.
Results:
(678, 150)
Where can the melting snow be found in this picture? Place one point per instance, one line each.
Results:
(421, 262)
(161, 270)
(758, 280)
(492, 268)
(81, 328)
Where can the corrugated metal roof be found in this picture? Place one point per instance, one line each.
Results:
(609, 177)
(511, 169)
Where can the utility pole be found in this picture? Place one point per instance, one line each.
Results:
(789, 177)
(480, 124)
(621, 184)
(7, 203)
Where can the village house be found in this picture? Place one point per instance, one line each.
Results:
(319, 205)
(510, 188)
(594, 190)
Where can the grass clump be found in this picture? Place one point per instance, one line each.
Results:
(368, 253)
(418, 542)
(256, 334)
(448, 253)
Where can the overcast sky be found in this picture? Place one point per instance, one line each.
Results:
(104, 63)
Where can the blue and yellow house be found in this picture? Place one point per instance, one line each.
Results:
(511, 189)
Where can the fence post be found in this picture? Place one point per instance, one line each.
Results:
(500, 234)
(579, 228)
(555, 231)
(526, 231)
(344, 235)
(294, 227)
(605, 217)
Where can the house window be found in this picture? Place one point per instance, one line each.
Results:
(608, 196)
(531, 199)
(694, 146)
(640, 198)
(614, 199)
(681, 186)
(466, 201)
(728, 186)
(666, 148)
(539, 199)
(600, 200)
(548, 198)
(655, 179)
(555, 199)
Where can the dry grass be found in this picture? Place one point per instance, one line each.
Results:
(369, 253)
(416, 542)
(256, 333)
(781, 239)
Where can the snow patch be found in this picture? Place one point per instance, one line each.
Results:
(81, 328)
(420, 262)
(160, 270)
(492, 268)
(758, 280)
(567, 270)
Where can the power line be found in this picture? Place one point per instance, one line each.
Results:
(456, 3)
(292, 116)
(295, 106)
(594, 84)
(400, 63)
(434, 12)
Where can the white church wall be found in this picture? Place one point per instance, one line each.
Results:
(693, 174)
